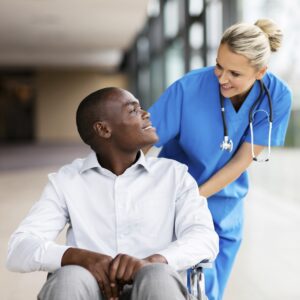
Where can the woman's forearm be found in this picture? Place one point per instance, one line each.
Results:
(231, 171)
(222, 178)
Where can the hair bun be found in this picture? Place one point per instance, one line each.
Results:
(274, 33)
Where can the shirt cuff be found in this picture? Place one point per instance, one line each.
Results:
(53, 256)
(174, 260)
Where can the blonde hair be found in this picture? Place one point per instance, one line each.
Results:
(254, 41)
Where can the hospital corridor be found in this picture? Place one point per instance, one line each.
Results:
(266, 267)
(201, 80)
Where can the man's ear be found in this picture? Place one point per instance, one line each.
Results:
(102, 129)
(261, 73)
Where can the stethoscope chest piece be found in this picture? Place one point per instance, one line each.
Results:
(227, 144)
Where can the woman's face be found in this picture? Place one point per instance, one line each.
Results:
(235, 74)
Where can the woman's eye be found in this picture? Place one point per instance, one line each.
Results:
(235, 74)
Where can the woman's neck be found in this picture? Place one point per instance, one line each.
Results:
(238, 100)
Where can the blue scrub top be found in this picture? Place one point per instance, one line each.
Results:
(189, 124)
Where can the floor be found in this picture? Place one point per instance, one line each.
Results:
(266, 267)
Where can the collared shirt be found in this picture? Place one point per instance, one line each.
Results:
(154, 207)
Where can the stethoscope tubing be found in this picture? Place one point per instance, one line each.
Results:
(252, 111)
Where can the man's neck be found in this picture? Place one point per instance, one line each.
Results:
(117, 163)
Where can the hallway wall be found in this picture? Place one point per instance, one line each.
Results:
(58, 95)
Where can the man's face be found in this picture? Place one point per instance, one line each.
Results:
(130, 124)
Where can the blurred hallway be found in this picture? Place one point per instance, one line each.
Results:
(267, 265)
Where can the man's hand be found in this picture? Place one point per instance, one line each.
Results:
(156, 258)
(124, 267)
(97, 264)
(111, 274)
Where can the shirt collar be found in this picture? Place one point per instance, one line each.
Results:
(91, 162)
(143, 161)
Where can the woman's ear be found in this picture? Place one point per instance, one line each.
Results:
(261, 73)
(102, 129)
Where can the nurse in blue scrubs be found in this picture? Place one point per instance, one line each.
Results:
(189, 122)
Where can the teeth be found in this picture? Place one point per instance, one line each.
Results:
(226, 86)
(148, 127)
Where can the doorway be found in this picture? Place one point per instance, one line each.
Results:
(17, 99)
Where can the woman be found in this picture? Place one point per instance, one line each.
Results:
(189, 122)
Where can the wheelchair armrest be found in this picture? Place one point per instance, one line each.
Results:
(205, 263)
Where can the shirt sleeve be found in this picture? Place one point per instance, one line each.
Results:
(32, 246)
(165, 114)
(196, 238)
(281, 114)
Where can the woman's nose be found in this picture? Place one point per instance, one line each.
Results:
(223, 78)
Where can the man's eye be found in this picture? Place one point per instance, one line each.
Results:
(135, 109)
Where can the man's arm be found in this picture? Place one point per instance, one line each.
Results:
(32, 246)
(196, 238)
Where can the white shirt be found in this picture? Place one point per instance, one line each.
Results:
(154, 207)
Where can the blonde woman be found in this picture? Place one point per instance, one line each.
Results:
(202, 120)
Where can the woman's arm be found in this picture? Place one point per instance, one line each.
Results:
(231, 171)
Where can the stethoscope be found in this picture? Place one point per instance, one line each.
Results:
(227, 143)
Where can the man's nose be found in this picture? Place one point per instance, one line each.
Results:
(145, 114)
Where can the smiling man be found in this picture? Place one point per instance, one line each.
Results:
(134, 222)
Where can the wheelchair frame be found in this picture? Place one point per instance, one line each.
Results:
(196, 280)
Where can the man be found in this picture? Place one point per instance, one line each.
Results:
(115, 201)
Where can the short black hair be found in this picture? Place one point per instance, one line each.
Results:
(90, 110)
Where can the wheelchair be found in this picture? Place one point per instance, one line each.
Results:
(196, 280)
